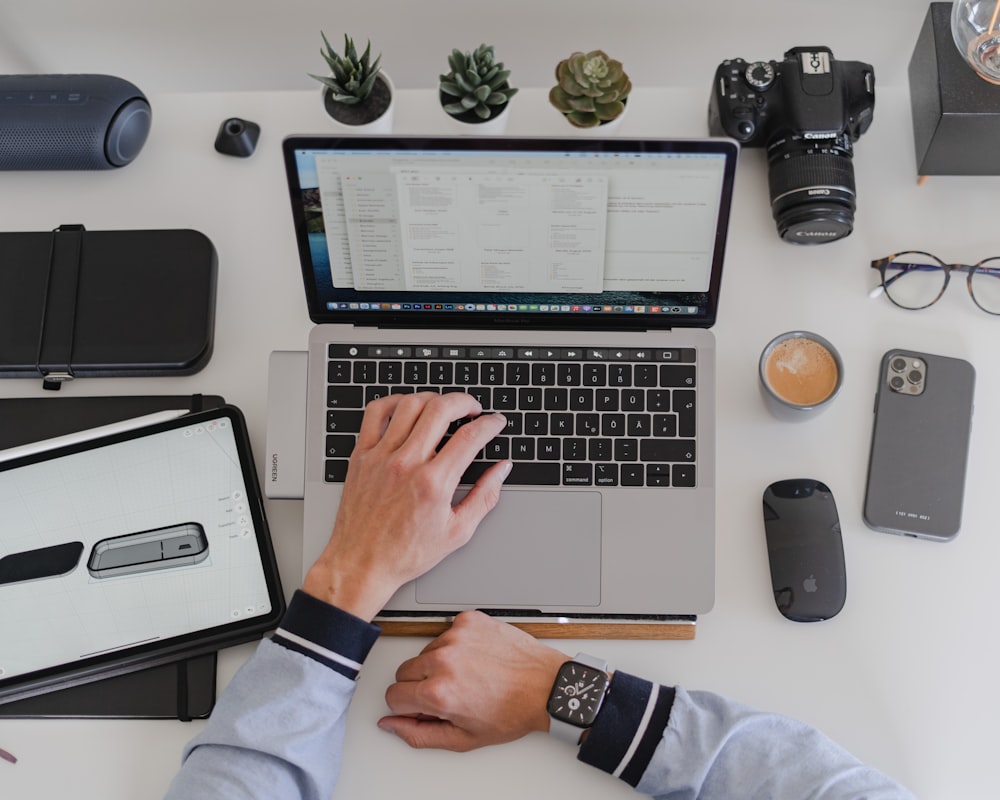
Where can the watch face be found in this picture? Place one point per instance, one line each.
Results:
(578, 693)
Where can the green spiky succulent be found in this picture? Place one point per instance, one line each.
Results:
(591, 88)
(477, 86)
(352, 78)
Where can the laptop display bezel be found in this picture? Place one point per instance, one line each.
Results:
(430, 317)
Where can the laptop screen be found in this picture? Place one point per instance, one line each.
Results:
(464, 231)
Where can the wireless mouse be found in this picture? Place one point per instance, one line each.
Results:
(805, 549)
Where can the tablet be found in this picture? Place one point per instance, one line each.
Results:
(131, 550)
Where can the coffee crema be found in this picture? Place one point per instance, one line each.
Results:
(801, 371)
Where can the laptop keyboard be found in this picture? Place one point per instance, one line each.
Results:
(575, 417)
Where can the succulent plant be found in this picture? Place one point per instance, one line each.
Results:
(478, 83)
(352, 79)
(591, 88)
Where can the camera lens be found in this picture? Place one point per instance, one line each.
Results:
(812, 188)
(899, 364)
(896, 382)
(915, 376)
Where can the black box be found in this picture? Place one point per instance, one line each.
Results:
(79, 303)
(956, 114)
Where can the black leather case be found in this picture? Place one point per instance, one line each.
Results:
(76, 303)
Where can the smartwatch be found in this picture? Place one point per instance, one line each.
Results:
(577, 696)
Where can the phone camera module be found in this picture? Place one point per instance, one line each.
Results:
(907, 375)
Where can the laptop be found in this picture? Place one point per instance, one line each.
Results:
(569, 283)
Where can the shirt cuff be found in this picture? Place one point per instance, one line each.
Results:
(628, 728)
(326, 634)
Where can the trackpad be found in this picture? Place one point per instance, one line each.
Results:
(534, 549)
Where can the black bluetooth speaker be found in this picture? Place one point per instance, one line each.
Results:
(70, 122)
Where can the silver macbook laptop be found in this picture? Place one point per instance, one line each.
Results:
(570, 284)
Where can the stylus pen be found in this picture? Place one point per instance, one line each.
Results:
(7, 756)
(91, 433)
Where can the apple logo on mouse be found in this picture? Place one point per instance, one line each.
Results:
(809, 584)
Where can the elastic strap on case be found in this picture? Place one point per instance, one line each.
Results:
(54, 360)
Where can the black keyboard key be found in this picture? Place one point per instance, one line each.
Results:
(665, 425)
(522, 448)
(647, 375)
(365, 372)
(601, 449)
(415, 372)
(632, 474)
(442, 372)
(581, 400)
(605, 474)
(483, 395)
(345, 397)
(588, 424)
(595, 374)
(343, 421)
(336, 470)
(391, 372)
(549, 449)
(561, 424)
(568, 375)
(504, 398)
(684, 405)
(466, 373)
(638, 425)
(657, 474)
(514, 423)
(556, 399)
(658, 400)
(620, 375)
(400, 389)
(679, 375)
(338, 372)
(518, 373)
(606, 399)
(523, 473)
(498, 448)
(574, 449)
(533, 473)
(683, 475)
(491, 374)
(340, 446)
(633, 400)
(529, 398)
(626, 450)
(536, 424)
(666, 450)
(613, 425)
(375, 393)
(543, 374)
(578, 474)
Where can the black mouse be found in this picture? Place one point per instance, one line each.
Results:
(805, 549)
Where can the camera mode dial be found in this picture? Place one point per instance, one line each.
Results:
(760, 75)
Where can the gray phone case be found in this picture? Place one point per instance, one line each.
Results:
(920, 445)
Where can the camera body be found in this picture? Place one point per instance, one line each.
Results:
(807, 110)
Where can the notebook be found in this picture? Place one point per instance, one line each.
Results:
(570, 284)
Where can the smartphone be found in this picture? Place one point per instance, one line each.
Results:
(920, 445)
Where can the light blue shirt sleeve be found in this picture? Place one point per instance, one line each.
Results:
(277, 730)
(671, 743)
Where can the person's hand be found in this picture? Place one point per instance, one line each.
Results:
(396, 518)
(481, 682)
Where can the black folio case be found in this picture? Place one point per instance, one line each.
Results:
(79, 303)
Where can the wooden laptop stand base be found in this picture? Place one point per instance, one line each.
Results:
(672, 628)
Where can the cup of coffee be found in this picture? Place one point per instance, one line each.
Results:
(800, 374)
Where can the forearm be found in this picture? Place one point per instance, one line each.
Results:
(671, 743)
(278, 728)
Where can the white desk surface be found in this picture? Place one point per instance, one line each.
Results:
(905, 677)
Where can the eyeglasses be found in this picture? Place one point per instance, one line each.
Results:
(916, 280)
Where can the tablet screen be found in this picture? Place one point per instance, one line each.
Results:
(138, 544)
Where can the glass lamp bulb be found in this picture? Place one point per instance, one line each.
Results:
(975, 26)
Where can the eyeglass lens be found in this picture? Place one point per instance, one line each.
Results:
(916, 280)
(985, 285)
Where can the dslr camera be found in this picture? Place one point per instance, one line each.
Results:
(807, 110)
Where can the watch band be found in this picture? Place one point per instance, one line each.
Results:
(563, 730)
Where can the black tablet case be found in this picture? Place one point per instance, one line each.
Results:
(182, 690)
(79, 303)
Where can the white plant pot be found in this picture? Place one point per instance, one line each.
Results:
(377, 126)
(494, 126)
